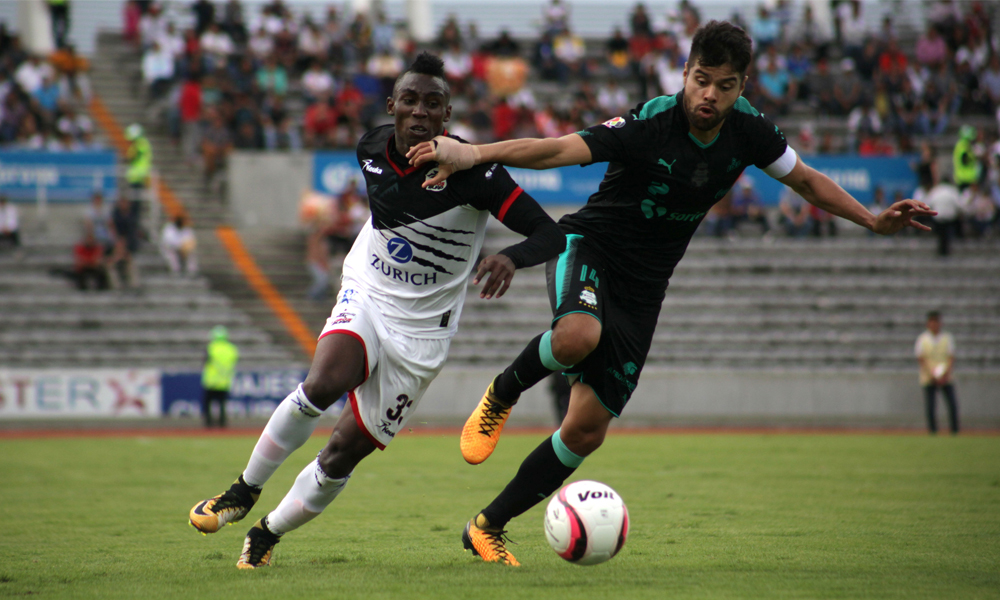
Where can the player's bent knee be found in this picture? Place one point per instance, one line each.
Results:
(324, 391)
(575, 341)
(583, 442)
(342, 454)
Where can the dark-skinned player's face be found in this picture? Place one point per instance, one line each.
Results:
(710, 94)
(420, 106)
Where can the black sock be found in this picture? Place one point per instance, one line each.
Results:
(526, 370)
(540, 474)
(241, 483)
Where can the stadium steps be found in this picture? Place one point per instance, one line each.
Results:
(115, 78)
(852, 302)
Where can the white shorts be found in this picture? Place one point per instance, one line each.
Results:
(398, 368)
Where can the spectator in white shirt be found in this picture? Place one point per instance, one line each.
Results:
(172, 41)
(157, 70)
(946, 200)
(612, 98)
(316, 81)
(32, 73)
(178, 245)
(9, 228)
(261, 44)
(217, 45)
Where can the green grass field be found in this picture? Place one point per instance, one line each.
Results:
(713, 516)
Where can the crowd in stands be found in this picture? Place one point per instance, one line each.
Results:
(43, 99)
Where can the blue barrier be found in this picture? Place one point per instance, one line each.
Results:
(574, 185)
(59, 176)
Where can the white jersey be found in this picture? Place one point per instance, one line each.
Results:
(417, 274)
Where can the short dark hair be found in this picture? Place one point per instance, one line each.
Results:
(426, 64)
(934, 315)
(719, 43)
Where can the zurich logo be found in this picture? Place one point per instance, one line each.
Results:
(400, 250)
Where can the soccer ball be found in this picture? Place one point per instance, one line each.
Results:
(586, 523)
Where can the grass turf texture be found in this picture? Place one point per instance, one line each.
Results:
(713, 516)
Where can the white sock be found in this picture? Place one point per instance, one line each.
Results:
(288, 429)
(310, 494)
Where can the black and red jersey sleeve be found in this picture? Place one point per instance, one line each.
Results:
(493, 189)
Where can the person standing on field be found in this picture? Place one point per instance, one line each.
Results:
(935, 350)
(670, 160)
(221, 357)
(400, 301)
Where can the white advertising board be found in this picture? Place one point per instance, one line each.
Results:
(72, 393)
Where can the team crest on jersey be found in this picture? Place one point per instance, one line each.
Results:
(588, 297)
(437, 187)
(616, 123)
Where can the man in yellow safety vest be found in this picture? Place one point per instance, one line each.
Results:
(221, 356)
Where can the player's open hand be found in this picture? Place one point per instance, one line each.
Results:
(501, 270)
(450, 154)
(900, 215)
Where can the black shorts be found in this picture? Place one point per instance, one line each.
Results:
(579, 283)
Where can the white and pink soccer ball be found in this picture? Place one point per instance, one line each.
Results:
(586, 523)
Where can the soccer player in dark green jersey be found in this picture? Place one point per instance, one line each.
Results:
(670, 159)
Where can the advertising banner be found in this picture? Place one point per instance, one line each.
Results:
(72, 393)
(65, 176)
(254, 393)
(858, 175)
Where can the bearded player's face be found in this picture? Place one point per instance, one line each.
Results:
(420, 106)
(710, 94)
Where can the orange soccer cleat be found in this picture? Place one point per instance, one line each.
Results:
(209, 516)
(488, 543)
(258, 548)
(482, 431)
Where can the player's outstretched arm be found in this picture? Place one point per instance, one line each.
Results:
(819, 190)
(528, 153)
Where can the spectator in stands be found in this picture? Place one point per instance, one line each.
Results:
(794, 212)
(619, 63)
(157, 70)
(152, 25)
(847, 92)
(89, 270)
(46, 100)
(140, 163)
(312, 44)
(570, 54)
(31, 73)
(822, 85)
(809, 32)
(190, 110)
(851, 27)
(777, 88)
(97, 218)
(818, 217)
(980, 208)
(746, 206)
(281, 135)
(221, 357)
(272, 77)
(457, 68)
(204, 15)
(640, 22)
(862, 121)
(122, 267)
(216, 144)
(316, 81)
(178, 246)
(386, 66)
(990, 82)
(217, 45)
(765, 29)
(931, 49)
(233, 23)
(935, 351)
(320, 125)
(944, 198)
(612, 98)
(665, 66)
(556, 16)
(71, 73)
(77, 126)
(10, 229)
(875, 145)
(261, 45)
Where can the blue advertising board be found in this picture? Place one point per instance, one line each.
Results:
(66, 176)
(574, 185)
(254, 393)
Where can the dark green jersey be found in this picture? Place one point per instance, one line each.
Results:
(660, 183)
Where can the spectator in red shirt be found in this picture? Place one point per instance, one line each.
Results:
(504, 120)
(89, 271)
(190, 113)
(320, 124)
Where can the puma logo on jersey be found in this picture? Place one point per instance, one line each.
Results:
(669, 166)
(368, 167)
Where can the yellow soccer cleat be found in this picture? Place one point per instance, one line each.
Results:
(487, 542)
(482, 431)
(258, 548)
(209, 516)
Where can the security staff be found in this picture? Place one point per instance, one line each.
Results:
(221, 356)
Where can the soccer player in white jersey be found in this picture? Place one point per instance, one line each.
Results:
(404, 284)
(670, 160)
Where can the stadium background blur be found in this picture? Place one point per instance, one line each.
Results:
(778, 316)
